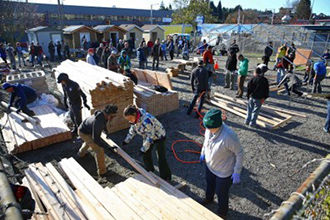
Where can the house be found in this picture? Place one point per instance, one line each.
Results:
(110, 32)
(153, 32)
(43, 35)
(76, 35)
(133, 31)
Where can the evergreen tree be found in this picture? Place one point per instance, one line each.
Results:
(162, 6)
(213, 9)
(303, 9)
(170, 7)
(220, 12)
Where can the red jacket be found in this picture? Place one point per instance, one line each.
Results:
(208, 57)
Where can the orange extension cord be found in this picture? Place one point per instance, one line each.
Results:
(201, 131)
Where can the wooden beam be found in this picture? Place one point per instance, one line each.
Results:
(25, 116)
(130, 160)
(282, 122)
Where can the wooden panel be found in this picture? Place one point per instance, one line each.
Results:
(151, 77)
(164, 79)
(140, 75)
(301, 55)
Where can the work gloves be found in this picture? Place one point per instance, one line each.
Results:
(202, 158)
(87, 106)
(236, 178)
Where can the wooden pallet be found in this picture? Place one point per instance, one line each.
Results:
(25, 136)
(269, 117)
(135, 198)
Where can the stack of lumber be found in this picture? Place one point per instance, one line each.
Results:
(269, 117)
(156, 103)
(173, 72)
(4, 69)
(135, 198)
(183, 63)
(36, 80)
(102, 87)
(21, 136)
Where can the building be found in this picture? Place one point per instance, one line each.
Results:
(153, 32)
(92, 16)
(133, 32)
(80, 36)
(110, 32)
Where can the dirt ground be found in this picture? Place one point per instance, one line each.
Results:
(271, 156)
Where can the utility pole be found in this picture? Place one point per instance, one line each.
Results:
(151, 19)
(60, 12)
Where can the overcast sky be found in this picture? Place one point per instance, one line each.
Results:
(319, 5)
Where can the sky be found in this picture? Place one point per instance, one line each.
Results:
(319, 5)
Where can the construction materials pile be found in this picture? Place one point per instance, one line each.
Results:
(4, 69)
(101, 87)
(35, 80)
(135, 198)
(23, 133)
(155, 102)
(269, 117)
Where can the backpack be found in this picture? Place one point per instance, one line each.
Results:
(24, 198)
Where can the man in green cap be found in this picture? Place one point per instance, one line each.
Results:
(223, 155)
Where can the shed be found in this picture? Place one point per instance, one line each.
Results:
(133, 31)
(110, 32)
(153, 32)
(76, 34)
(43, 35)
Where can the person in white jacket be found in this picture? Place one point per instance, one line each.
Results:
(223, 155)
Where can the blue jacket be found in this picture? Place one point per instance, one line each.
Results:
(140, 55)
(23, 92)
(320, 68)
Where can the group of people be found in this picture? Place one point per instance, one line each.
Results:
(8, 51)
(62, 50)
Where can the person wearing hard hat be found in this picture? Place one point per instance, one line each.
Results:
(24, 95)
(223, 156)
(72, 99)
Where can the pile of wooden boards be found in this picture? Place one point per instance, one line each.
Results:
(135, 198)
(269, 117)
(154, 102)
(36, 80)
(26, 136)
(102, 87)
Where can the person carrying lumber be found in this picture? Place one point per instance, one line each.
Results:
(223, 156)
(242, 73)
(209, 65)
(154, 137)
(281, 52)
(257, 93)
(291, 83)
(320, 73)
(89, 57)
(125, 66)
(24, 95)
(199, 84)
(73, 94)
(90, 132)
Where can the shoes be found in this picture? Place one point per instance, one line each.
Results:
(205, 201)
(74, 131)
(239, 96)
(232, 88)
(325, 130)
(246, 123)
(254, 126)
(226, 87)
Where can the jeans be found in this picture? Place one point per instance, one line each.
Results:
(278, 60)
(327, 121)
(164, 55)
(221, 186)
(141, 64)
(240, 83)
(193, 102)
(253, 110)
(24, 108)
(154, 60)
(13, 62)
(39, 59)
(160, 147)
(230, 79)
(280, 75)
(210, 80)
(20, 57)
(317, 83)
(75, 114)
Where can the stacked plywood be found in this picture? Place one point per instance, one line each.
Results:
(156, 103)
(25, 136)
(36, 80)
(135, 198)
(269, 117)
(101, 87)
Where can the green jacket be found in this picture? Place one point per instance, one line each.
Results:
(243, 67)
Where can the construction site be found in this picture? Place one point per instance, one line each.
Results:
(285, 163)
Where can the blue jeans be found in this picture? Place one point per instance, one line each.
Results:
(278, 60)
(253, 110)
(317, 83)
(327, 121)
(193, 102)
(215, 184)
(280, 75)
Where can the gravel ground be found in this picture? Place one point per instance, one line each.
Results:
(271, 156)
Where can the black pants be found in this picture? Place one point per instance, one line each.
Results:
(171, 54)
(75, 114)
(154, 60)
(193, 102)
(52, 55)
(164, 169)
(266, 60)
(131, 76)
(294, 89)
(25, 109)
(317, 83)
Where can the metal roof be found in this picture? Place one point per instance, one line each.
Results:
(129, 27)
(102, 28)
(37, 28)
(88, 10)
(73, 28)
(151, 27)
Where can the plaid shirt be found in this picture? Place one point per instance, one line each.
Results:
(149, 128)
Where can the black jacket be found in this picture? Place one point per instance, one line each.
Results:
(73, 92)
(199, 79)
(156, 50)
(258, 88)
(268, 51)
(233, 49)
(231, 63)
(94, 125)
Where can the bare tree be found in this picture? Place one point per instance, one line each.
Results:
(16, 17)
